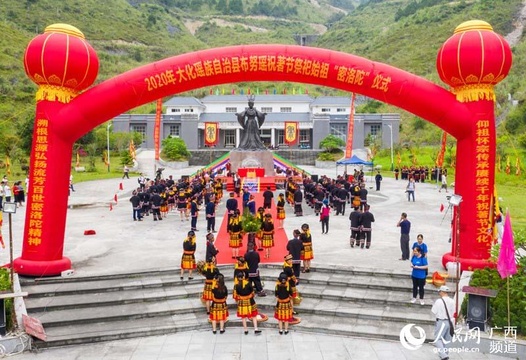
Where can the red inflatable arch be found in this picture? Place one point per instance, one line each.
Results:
(63, 64)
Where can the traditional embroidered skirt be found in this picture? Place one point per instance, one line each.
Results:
(188, 261)
(236, 240)
(164, 208)
(219, 311)
(307, 253)
(207, 291)
(283, 310)
(281, 213)
(267, 240)
(246, 308)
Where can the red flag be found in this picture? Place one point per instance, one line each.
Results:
(350, 129)
(441, 207)
(111, 206)
(121, 187)
(157, 128)
(506, 265)
(115, 197)
(210, 92)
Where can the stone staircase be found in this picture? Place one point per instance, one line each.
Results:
(341, 301)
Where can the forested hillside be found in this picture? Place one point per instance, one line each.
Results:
(126, 34)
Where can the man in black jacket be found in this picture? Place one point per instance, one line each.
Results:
(294, 247)
(252, 258)
(366, 222)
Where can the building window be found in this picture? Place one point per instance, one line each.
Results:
(285, 109)
(281, 136)
(341, 109)
(339, 130)
(266, 109)
(230, 138)
(325, 109)
(175, 110)
(376, 129)
(305, 138)
(231, 110)
(175, 130)
(141, 129)
(188, 110)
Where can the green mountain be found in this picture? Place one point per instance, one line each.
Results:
(126, 34)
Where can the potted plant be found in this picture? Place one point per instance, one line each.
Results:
(251, 225)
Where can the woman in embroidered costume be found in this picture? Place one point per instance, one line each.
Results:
(210, 271)
(219, 308)
(181, 203)
(246, 305)
(260, 216)
(283, 312)
(218, 187)
(241, 267)
(267, 234)
(306, 254)
(171, 198)
(164, 203)
(280, 206)
(188, 259)
(235, 230)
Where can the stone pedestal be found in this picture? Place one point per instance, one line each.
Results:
(252, 159)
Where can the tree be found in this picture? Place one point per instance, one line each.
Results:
(174, 148)
(332, 143)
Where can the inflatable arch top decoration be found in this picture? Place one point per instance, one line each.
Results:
(64, 66)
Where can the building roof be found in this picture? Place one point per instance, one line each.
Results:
(183, 101)
(259, 98)
(271, 117)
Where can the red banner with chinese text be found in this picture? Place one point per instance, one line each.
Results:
(157, 129)
(350, 129)
(291, 132)
(211, 133)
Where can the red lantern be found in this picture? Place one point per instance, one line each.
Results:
(473, 60)
(61, 62)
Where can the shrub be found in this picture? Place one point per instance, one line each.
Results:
(175, 149)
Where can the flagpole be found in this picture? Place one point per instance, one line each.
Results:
(508, 295)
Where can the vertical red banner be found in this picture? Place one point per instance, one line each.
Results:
(440, 158)
(350, 129)
(157, 129)
(211, 133)
(291, 132)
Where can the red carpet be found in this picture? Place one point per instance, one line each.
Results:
(276, 253)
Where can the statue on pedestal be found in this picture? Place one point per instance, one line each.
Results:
(251, 121)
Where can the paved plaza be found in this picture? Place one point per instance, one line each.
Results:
(121, 245)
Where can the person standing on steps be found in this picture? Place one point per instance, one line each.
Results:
(210, 212)
(246, 305)
(418, 275)
(295, 247)
(283, 312)
(235, 231)
(307, 253)
(252, 258)
(444, 311)
(405, 229)
(280, 207)
(188, 259)
(219, 308)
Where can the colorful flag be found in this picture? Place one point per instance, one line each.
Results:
(291, 132)
(210, 92)
(131, 149)
(508, 165)
(105, 157)
(440, 158)
(499, 167)
(350, 129)
(399, 159)
(211, 133)
(517, 166)
(506, 265)
(233, 91)
(157, 129)
(77, 164)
